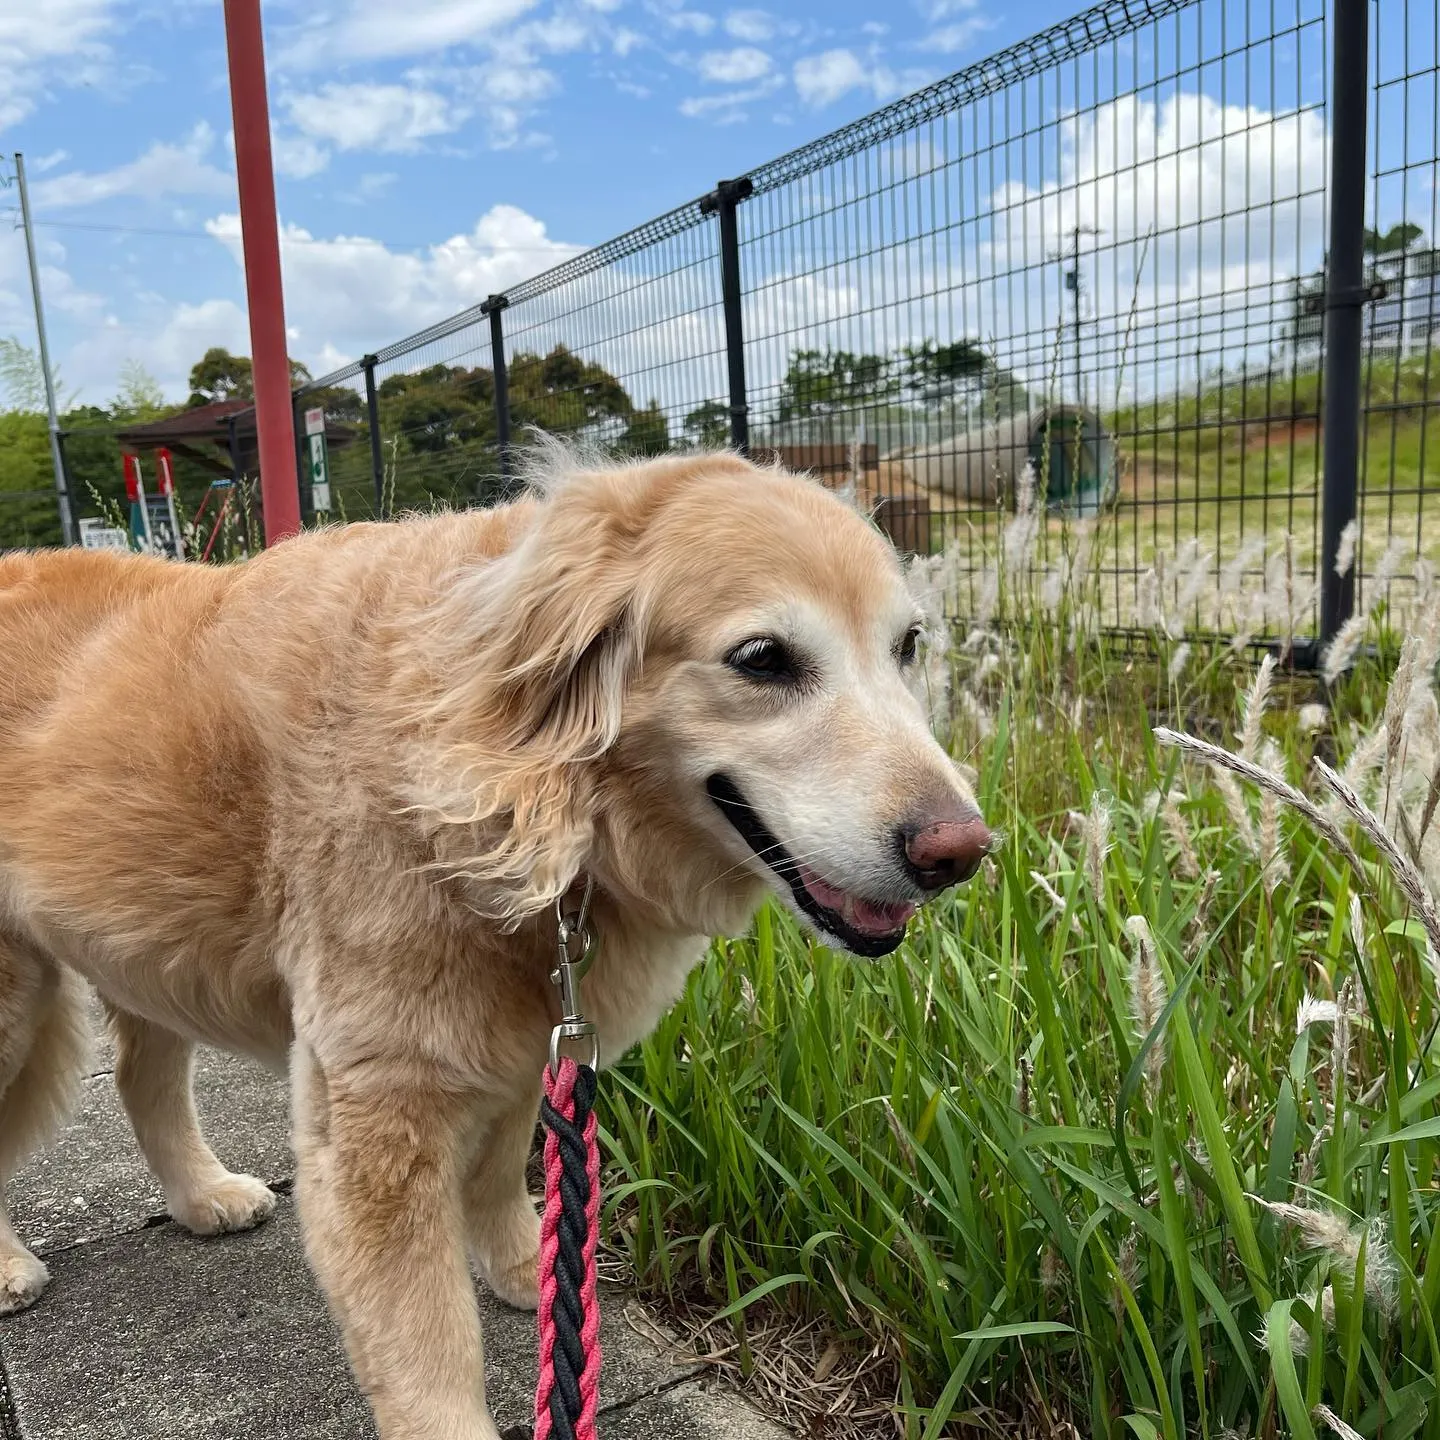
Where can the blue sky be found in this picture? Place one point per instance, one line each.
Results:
(428, 151)
(432, 151)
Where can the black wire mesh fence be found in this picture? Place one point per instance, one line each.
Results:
(1069, 305)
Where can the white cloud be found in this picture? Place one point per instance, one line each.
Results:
(727, 108)
(297, 156)
(164, 169)
(753, 26)
(673, 14)
(517, 85)
(348, 294)
(372, 186)
(937, 10)
(46, 44)
(1131, 167)
(344, 295)
(949, 39)
(557, 34)
(48, 162)
(380, 29)
(1203, 212)
(823, 79)
(388, 118)
(185, 336)
(734, 67)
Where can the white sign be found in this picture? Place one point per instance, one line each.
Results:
(319, 473)
(315, 422)
(96, 535)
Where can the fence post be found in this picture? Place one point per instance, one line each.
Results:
(372, 414)
(723, 201)
(302, 459)
(493, 307)
(1345, 296)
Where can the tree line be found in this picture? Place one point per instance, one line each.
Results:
(438, 423)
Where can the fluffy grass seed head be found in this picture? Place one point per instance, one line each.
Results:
(1314, 1011)
(1147, 996)
(1324, 1415)
(1332, 1235)
(1257, 699)
(1345, 551)
(1095, 829)
(1341, 651)
(1274, 863)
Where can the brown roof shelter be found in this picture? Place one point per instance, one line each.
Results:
(224, 425)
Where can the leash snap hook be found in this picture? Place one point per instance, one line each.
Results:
(575, 954)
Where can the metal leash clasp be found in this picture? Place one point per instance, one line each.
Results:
(575, 953)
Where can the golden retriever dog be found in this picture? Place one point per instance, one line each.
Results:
(319, 808)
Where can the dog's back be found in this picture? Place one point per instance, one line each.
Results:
(52, 603)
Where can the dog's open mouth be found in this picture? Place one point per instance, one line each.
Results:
(865, 927)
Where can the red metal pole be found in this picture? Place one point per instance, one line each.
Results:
(259, 232)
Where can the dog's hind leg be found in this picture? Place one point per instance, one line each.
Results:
(501, 1223)
(152, 1074)
(44, 1042)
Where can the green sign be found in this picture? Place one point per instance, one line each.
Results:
(319, 475)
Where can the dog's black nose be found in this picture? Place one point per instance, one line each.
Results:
(946, 850)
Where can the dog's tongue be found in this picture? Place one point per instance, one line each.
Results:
(861, 916)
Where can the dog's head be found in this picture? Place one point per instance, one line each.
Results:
(700, 679)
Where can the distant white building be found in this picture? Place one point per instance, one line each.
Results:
(1407, 320)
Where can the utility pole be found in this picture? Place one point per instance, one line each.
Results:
(62, 492)
(1076, 285)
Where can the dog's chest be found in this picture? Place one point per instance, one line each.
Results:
(638, 975)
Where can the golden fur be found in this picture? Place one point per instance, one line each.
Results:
(317, 808)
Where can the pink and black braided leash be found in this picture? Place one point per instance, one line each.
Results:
(567, 1394)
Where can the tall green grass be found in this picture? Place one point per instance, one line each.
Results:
(1029, 1160)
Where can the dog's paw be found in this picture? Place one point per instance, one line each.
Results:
(22, 1279)
(235, 1202)
(519, 1285)
(506, 1247)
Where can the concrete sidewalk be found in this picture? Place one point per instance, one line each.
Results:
(147, 1333)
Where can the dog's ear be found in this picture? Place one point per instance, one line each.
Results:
(542, 645)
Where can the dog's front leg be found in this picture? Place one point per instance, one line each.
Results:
(379, 1195)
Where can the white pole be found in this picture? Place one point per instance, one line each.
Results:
(166, 472)
(62, 494)
(144, 507)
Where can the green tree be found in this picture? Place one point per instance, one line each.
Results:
(219, 375)
(707, 427)
(828, 382)
(647, 432)
(27, 481)
(139, 396)
(566, 395)
(22, 380)
(939, 374)
(1397, 240)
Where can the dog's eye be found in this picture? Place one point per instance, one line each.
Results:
(763, 659)
(909, 646)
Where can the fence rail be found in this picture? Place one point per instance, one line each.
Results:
(1092, 266)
